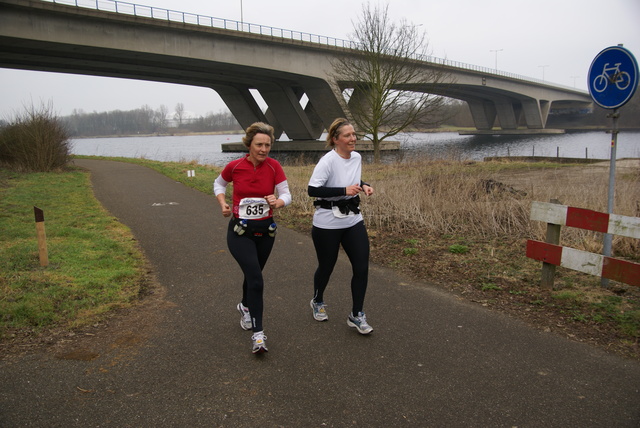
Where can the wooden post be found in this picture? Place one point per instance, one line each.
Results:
(553, 237)
(42, 237)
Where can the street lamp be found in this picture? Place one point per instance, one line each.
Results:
(574, 80)
(241, 17)
(543, 67)
(496, 51)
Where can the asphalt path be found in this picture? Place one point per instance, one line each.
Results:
(432, 360)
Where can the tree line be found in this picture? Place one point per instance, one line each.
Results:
(145, 121)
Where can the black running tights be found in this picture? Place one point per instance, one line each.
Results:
(251, 253)
(355, 242)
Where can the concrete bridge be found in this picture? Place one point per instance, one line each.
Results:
(289, 69)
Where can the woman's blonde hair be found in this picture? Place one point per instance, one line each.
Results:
(258, 128)
(334, 130)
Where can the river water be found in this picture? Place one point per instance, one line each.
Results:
(206, 149)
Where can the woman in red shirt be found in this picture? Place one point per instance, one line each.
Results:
(257, 179)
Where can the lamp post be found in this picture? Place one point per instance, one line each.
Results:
(241, 17)
(574, 80)
(496, 51)
(543, 67)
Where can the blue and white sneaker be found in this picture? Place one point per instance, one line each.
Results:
(360, 323)
(319, 311)
(245, 321)
(259, 342)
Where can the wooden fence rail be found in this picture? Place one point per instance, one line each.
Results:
(552, 254)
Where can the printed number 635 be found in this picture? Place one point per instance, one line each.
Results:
(255, 209)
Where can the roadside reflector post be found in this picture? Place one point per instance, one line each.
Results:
(42, 237)
(553, 237)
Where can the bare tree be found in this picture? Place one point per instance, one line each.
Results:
(392, 90)
(179, 115)
(161, 117)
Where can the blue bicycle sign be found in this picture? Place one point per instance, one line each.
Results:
(612, 74)
(613, 77)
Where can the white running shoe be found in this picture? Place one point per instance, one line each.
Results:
(245, 321)
(319, 311)
(259, 343)
(360, 323)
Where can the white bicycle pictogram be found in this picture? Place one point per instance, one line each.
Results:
(612, 74)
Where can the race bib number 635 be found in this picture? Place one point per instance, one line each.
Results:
(253, 208)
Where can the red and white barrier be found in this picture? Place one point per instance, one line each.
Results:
(583, 261)
(586, 219)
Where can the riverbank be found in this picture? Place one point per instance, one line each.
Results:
(161, 134)
(548, 159)
(207, 149)
(460, 130)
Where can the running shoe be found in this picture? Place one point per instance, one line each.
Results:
(319, 311)
(360, 323)
(245, 321)
(259, 342)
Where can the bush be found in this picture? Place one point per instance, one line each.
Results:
(35, 141)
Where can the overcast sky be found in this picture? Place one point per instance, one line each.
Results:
(552, 39)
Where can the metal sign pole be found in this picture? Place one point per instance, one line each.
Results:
(608, 238)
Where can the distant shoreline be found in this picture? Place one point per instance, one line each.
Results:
(167, 134)
(240, 132)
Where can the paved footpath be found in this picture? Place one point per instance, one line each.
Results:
(432, 360)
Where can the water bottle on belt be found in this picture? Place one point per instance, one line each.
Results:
(272, 230)
(240, 227)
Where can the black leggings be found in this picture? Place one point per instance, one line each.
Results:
(251, 253)
(355, 242)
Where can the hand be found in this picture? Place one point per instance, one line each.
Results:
(272, 201)
(368, 190)
(226, 210)
(353, 190)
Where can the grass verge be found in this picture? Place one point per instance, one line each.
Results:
(94, 266)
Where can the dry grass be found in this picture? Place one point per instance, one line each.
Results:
(481, 200)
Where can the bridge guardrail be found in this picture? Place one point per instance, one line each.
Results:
(127, 8)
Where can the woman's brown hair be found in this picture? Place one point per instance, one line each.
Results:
(258, 128)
